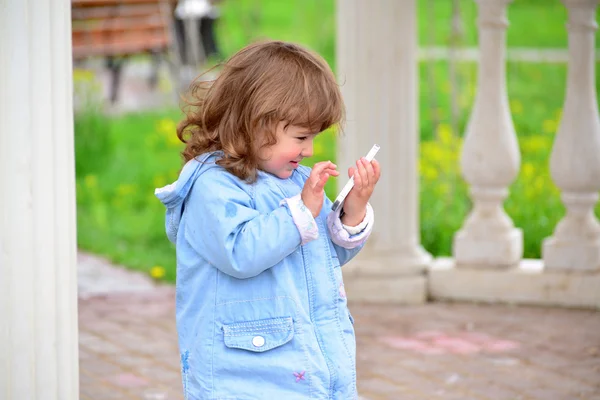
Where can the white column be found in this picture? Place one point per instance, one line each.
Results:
(575, 159)
(38, 291)
(490, 154)
(377, 68)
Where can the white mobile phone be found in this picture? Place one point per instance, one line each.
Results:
(339, 200)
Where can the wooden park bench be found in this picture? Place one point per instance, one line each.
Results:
(118, 29)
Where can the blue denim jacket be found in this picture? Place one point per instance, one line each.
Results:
(259, 316)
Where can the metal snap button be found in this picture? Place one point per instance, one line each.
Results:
(258, 341)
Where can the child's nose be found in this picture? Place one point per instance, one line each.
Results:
(307, 151)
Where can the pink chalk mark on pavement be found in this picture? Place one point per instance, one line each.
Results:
(456, 345)
(129, 380)
(410, 344)
(499, 346)
(436, 342)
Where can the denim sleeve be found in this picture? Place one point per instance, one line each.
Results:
(343, 236)
(223, 226)
(345, 254)
(303, 218)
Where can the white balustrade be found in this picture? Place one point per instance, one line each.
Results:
(38, 277)
(575, 159)
(377, 69)
(490, 156)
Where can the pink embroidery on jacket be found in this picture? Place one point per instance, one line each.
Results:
(299, 376)
(342, 291)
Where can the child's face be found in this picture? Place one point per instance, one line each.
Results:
(293, 144)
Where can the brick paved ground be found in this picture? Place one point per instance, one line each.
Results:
(128, 348)
(466, 351)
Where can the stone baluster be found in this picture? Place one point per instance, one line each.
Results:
(377, 69)
(38, 275)
(575, 159)
(490, 155)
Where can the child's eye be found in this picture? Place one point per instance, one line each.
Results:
(302, 138)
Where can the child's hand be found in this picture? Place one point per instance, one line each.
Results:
(365, 177)
(312, 192)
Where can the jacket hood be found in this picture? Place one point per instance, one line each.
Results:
(173, 195)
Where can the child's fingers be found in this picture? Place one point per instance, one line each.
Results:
(315, 174)
(321, 166)
(318, 170)
(363, 173)
(358, 182)
(369, 169)
(325, 177)
(376, 170)
(332, 172)
(322, 181)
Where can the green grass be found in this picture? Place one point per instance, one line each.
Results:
(118, 214)
(120, 160)
(309, 22)
(536, 94)
(533, 23)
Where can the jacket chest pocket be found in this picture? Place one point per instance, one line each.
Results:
(259, 336)
(269, 351)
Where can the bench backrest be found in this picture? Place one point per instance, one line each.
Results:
(120, 27)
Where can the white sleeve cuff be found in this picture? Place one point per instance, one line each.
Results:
(355, 230)
(303, 219)
(343, 235)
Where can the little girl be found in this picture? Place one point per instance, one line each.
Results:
(261, 306)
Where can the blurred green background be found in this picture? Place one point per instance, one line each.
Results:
(120, 159)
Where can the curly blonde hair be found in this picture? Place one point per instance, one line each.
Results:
(261, 85)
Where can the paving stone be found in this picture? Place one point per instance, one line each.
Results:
(450, 351)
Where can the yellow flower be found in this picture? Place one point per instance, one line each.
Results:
(90, 181)
(430, 172)
(166, 126)
(534, 144)
(125, 189)
(558, 114)
(445, 86)
(159, 181)
(549, 126)
(432, 151)
(444, 132)
(157, 272)
(443, 188)
(539, 184)
(152, 201)
(465, 100)
(440, 112)
(516, 107)
(530, 192)
(528, 170)
(471, 88)
(83, 75)
(318, 147)
(173, 140)
(168, 129)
